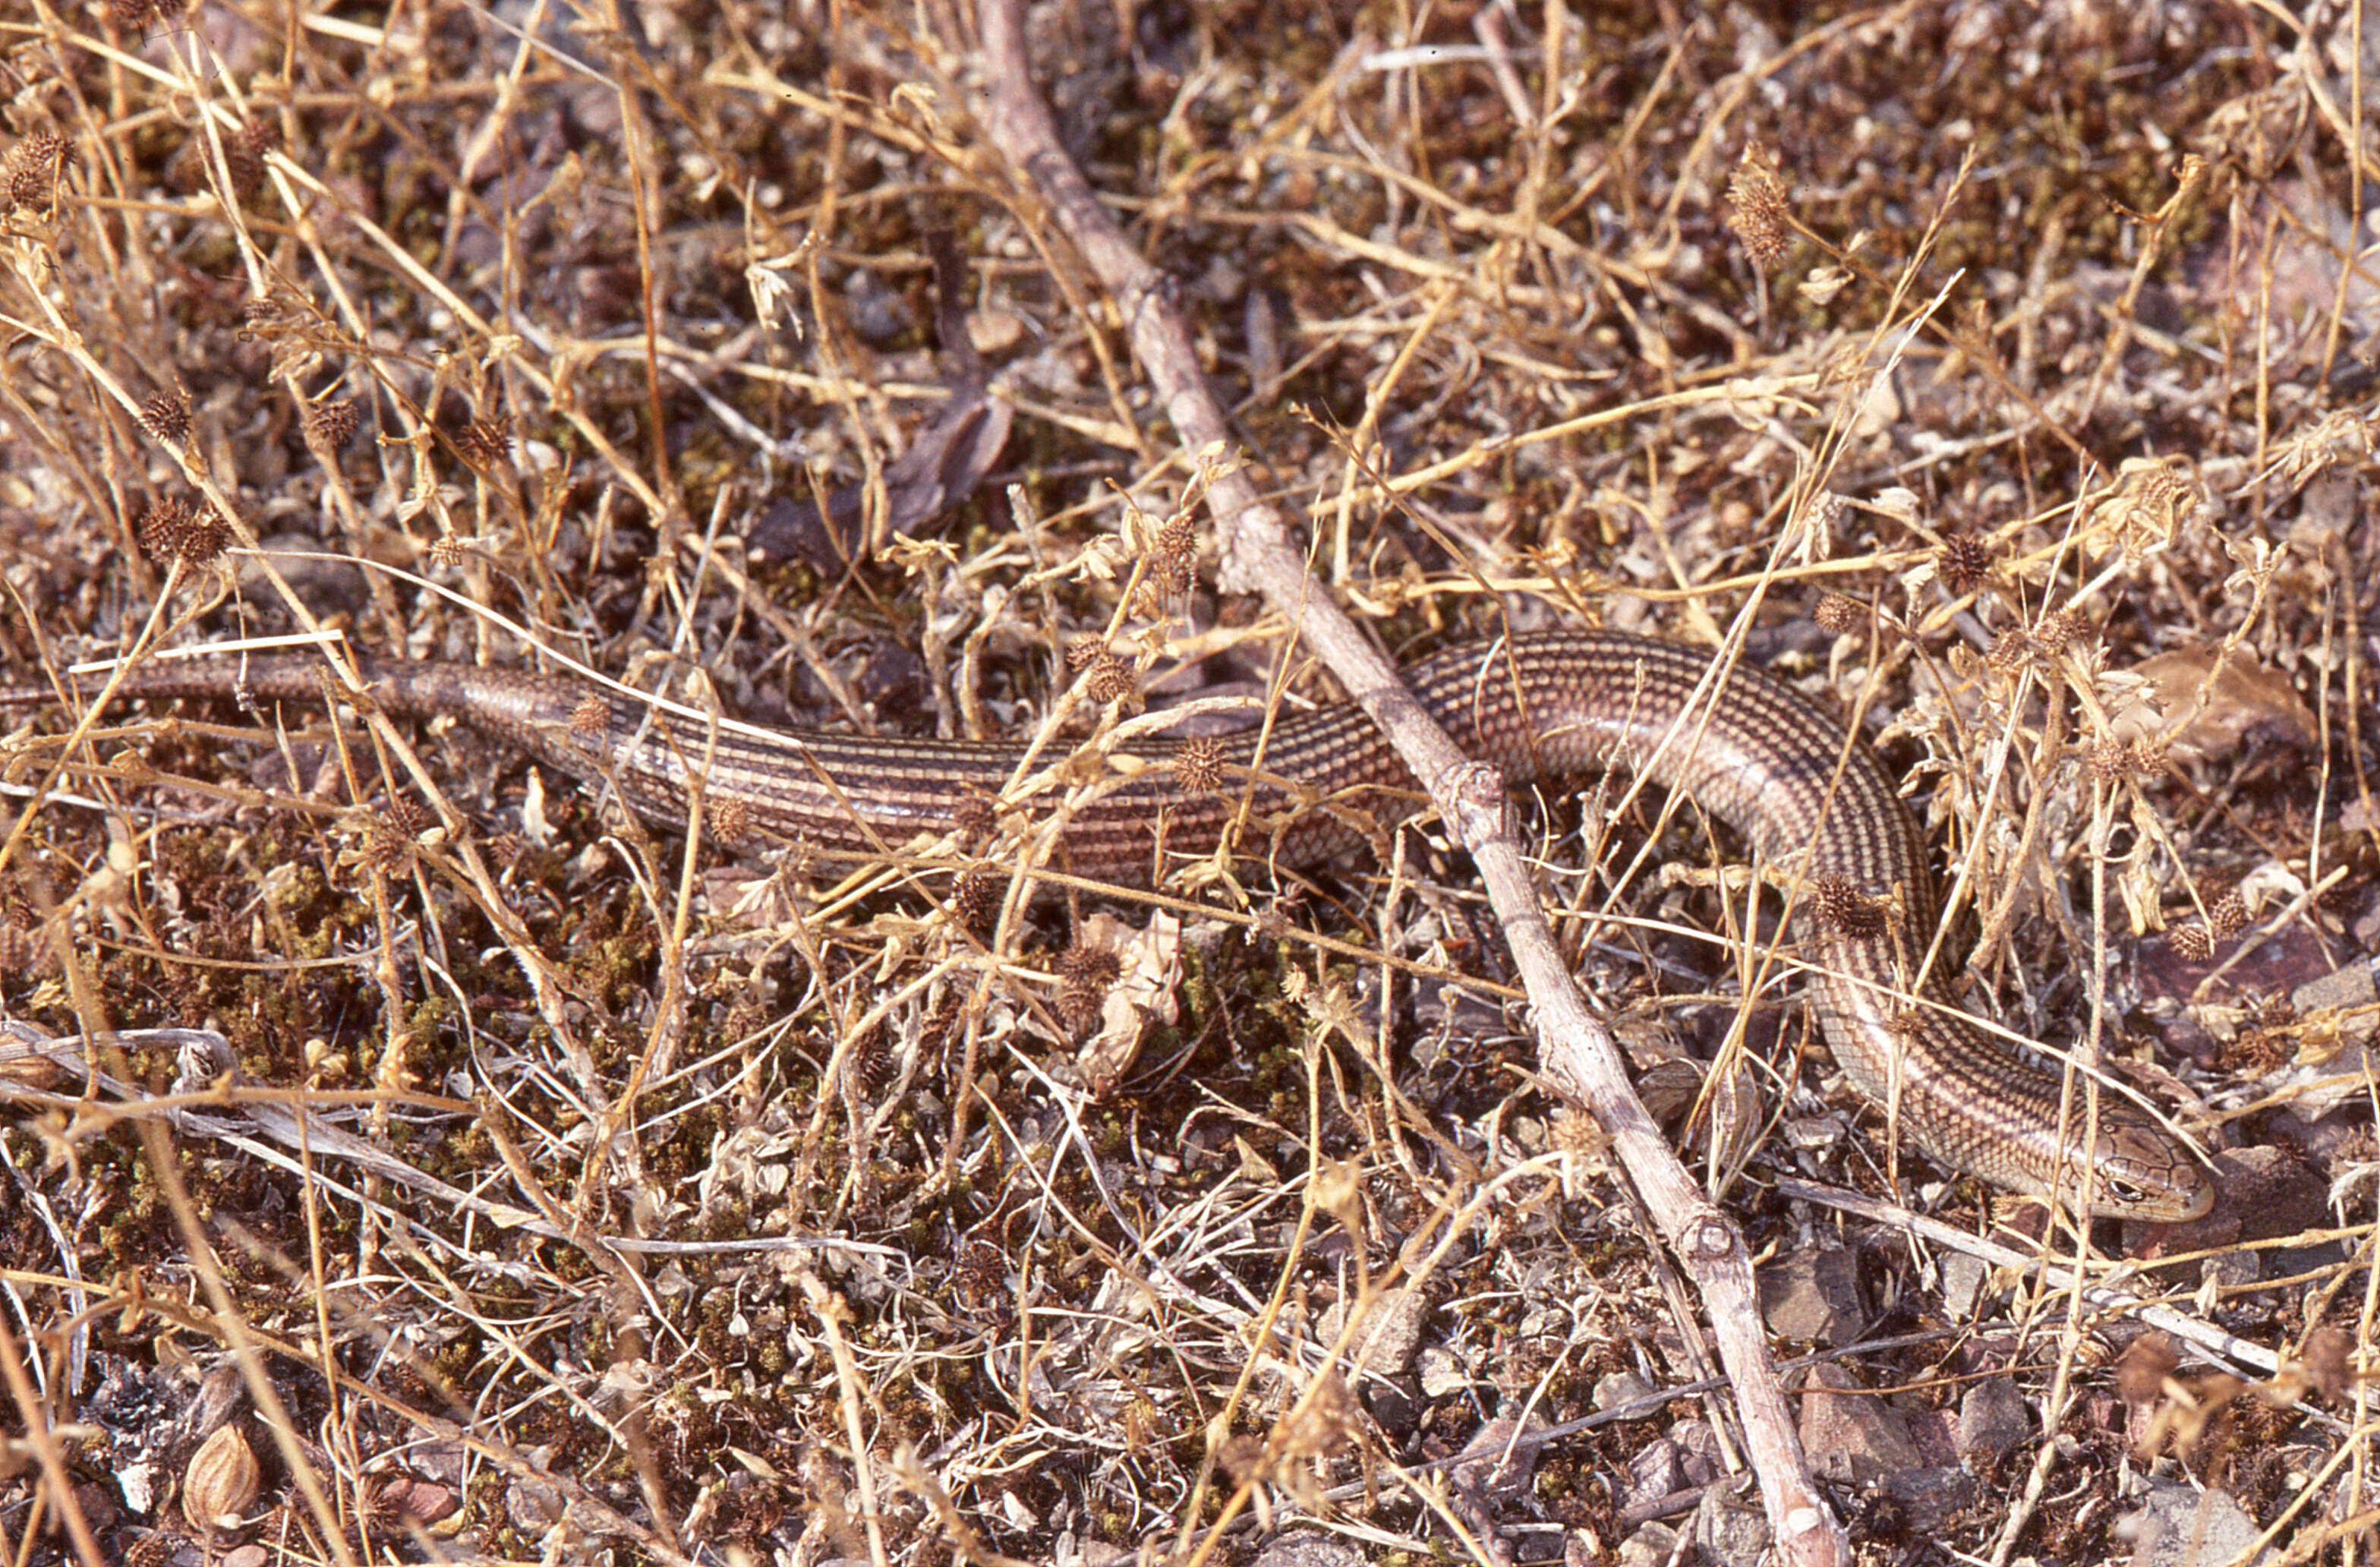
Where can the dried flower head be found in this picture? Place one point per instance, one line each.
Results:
(2113, 760)
(975, 898)
(402, 815)
(1173, 564)
(2273, 1012)
(1169, 579)
(1964, 562)
(1837, 614)
(1079, 1007)
(484, 443)
(328, 425)
(1109, 679)
(589, 719)
(1576, 1132)
(268, 317)
(1088, 964)
(388, 840)
(166, 414)
(731, 820)
(2010, 652)
(2061, 629)
(874, 1066)
(175, 530)
(1198, 765)
(28, 174)
(1082, 650)
(2227, 916)
(2192, 943)
(1758, 209)
(1178, 540)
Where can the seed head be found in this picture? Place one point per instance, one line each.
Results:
(1079, 1007)
(975, 898)
(166, 415)
(2061, 629)
(1758, 208)
(388, 841)
(2010, 652)
(2114, 760)
(1198, 765)
(1111, 678)
(730, 820)
(1178, 540)
(28, 174)
(1963, 562)
(1174, 563)
(328, 425)
(484, 442)
(175, 529)
(873, 1066)
(1084, 964)
(1836, 613)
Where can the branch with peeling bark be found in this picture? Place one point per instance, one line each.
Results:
(1578, 1054)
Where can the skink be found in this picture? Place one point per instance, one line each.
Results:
(1546, 707)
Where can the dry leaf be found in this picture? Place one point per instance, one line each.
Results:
(2142, 1369)
(2201, 704)
(1145, 990)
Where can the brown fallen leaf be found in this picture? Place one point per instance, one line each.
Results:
(2200, 703)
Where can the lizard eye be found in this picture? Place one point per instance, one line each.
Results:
(2123, 1191)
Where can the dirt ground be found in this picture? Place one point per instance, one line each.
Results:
(412, 1159)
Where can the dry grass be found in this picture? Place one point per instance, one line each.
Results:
(1999, 372)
